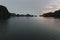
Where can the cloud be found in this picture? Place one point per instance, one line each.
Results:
(52, 6)
(46, 11)
(49, 7)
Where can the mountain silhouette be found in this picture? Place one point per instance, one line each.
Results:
(55, 14)
(4, 13)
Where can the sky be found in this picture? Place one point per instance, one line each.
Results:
(31, 6)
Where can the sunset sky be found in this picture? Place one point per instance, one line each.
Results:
(31, 6)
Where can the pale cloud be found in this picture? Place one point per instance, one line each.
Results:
(49, 7)
(52, 6)
(46, 11)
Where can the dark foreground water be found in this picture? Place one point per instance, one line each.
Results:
(30, 28)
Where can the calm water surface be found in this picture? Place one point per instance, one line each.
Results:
(30, 28)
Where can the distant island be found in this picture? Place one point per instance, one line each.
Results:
(22, 15)
(55, 14)
(5, 14)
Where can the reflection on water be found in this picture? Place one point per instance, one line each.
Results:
(50, 22)
(47, 21)
(30, 28)
(3, 28)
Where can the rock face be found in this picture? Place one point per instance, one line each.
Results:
(4, 13)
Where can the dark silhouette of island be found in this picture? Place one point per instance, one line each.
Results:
(21, 15)
(4, 13)
(55, 14)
